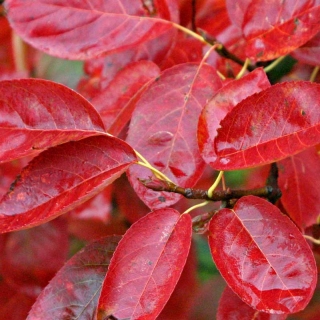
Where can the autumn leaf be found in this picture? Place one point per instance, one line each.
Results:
(146, 266)
(61, 178)
(37, 114)
(82, 277)
(263, 256)
(269, 126)
(87, 29)
(275, 30)
(299, 181)
(163, 128)
(221, 104)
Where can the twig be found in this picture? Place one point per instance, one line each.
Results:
(223, 195)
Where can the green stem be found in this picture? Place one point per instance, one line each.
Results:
(273, 64)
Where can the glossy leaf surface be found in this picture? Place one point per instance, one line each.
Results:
(269, 126)
(163, 128)
(299, 181)
(277, 28)
(73, 293)
(232, 307)
(37, 114)
(61, 178)
(222, 103)
(263, 256)
(86, 29)
(146, 266)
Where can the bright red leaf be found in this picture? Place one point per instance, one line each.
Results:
(277, 28)
(146, 266)
(299, 181)
(86, 29)
(269, 126)
(113, 102)
(263, 256)
(221, 104)
(232, 307)
(61, 178)
(73, 293)
(163, 128)
(37, 114)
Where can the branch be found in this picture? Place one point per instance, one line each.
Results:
(268, 191)
(272, 181)
(223, 51)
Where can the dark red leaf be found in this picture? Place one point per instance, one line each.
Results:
(212, 17)
(232, 307)
(6, 54)
(73, 293)
(146, 266)
(207, 298)
(132, 210)
(309, 53)
(37, 114)
(299, 181)
(275, 30)
(269, 126)
(30, 258)
(221, 104)
(14, 305)
(113, 102)
(86, 29)
(61, 178)
(263, 256)
(166, 133)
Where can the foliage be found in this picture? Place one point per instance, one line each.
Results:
(133, 162)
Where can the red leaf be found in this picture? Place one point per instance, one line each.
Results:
(269, 126)
(299, 181)
(113, 102)
(30, 258)
(146, 266)
(181, 52)
(14, 305)
(61, 178)
(38, 114)
(9, 172)
(73, 293)
(132, 210)
(6, 54)
(86, 29)
(232, 307)
(210, 291)
(180, 302)
(98, 208)
(310, 52)
(166, 134)
(275, 30)
(263, 256)
(222, 103)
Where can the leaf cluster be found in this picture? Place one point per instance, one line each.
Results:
(132, 160)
